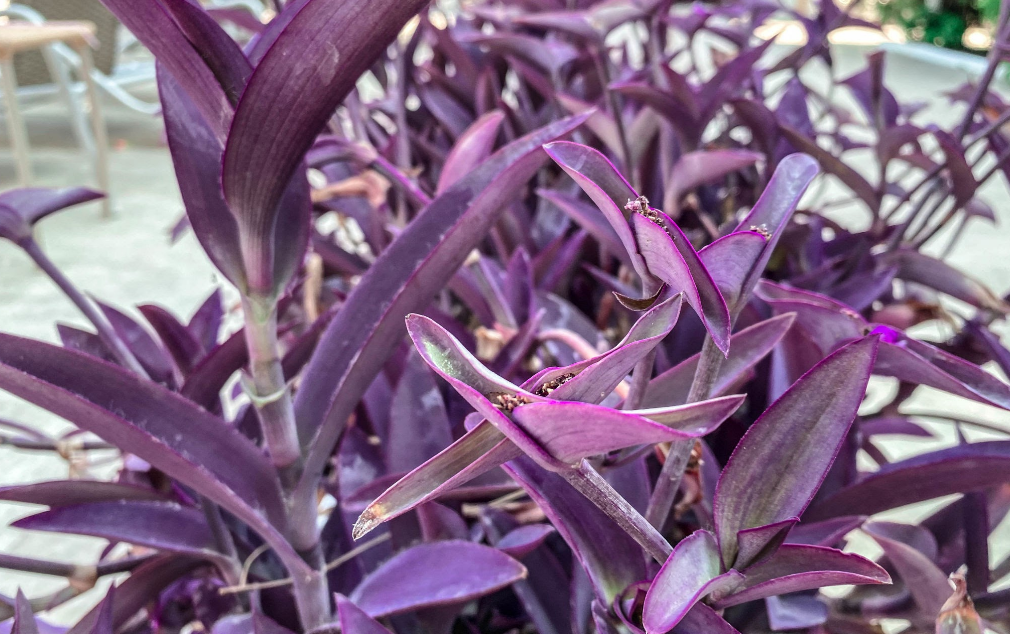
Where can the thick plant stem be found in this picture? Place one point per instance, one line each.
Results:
(680, 451)
(102, 326)
(267, 388)
(312, 596)
(592, 485)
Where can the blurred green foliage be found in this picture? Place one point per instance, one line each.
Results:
(940, 22)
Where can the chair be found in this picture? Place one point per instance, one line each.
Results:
(17, 37)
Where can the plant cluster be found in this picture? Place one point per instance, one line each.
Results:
(539, 334)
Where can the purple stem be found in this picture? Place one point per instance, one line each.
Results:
(668, 483)
(591, 484)
(102, 326)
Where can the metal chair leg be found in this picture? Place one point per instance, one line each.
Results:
(19, 135)
(98, 128)
(59, 70)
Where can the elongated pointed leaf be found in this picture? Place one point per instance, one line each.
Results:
(747, 348)
(310, 68)
(222, 54)
(481, 449)
(960, 469)
(196, 156)
(523, 540)
(834, 166)
(136, 591)
(484, 447)
(145, 419)
(589, 218)
(757, 543)
(605, 186)
(354, 620)
(795, 568)
(472, 147)
(671, 257)
(571, 431)
(160, 525)
(702, 619)
(731, 260)
(435, 574)
(921, 268)
(703, 167)
(923, 579)
(67, 492)
(772, 211)
(692, 572)
(486, 392)
(609, 556)
(151, 23)
(21, 208)
(911, 360)
(24, 620)
(826, 532)
(808, 424)
(405, 278)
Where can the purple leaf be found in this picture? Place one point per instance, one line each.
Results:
(434, 244)
(795, 612)
(960, 469)
(484, 447)
(795, 568)
(20, 209)
(571, 431)
(605, 186)
(834, 166)
(418, 425)
(436, 574)
(773, 210)
(808, 423)
(472, 147)
(136, 591)
(920, 268)
(307, 71)
(151, 23)
(609, 556)
(354, 620)
(747, 348)
(915, 361)
(671, 257)
(485, 391)
(196, 155)
(702, 168)
(757, 543)
(68, 492)
(523, 540)
(181, 344)
(692, 572)
(731, 260)
(481, 449)
(702, 619)
(963, 183)
(161, 525)
(206, 321)
(222, 55)
(927, 583)
(589, 218)
(679, 109)
(24, 620)
(824, 533)
(145, 419)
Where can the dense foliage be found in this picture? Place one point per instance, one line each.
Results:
(553, 341)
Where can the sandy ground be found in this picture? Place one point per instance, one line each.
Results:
(128, 260)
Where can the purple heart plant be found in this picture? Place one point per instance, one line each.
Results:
(539, 334)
